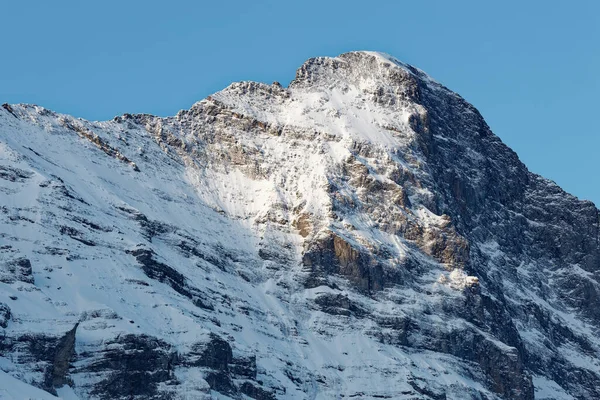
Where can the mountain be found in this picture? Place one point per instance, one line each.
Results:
(359, 234)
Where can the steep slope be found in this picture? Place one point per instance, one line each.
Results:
(359, 234)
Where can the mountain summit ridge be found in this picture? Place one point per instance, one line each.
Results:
(360, 233)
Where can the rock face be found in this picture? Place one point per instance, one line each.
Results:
(359, 234)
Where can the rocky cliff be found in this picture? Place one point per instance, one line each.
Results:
(359, 234)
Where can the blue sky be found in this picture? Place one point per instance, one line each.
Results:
(531, 67)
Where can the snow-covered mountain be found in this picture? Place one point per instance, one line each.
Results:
(360, 234)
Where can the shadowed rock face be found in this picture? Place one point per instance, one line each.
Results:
(4, 315)
(132, 366)
(16, 270)
(359, 234)
(65, 354)
(333, 255)
(51, 355)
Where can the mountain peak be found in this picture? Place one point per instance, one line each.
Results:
(359, 234)
(353, 68)
(363, 96)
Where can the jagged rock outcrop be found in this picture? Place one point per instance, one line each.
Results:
(4, 315)
(48, 357)
(63, 356)
(18, 269)
(360, 233)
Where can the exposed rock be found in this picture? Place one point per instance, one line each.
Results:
(224, 370)
(4, 315)
(47, 357)
(338, 304)
(14, 174)
(333, 254)
(95, 139)
(76, 235)
(256, 392)
(63, 357)
(129, 366)
(166, 274)
(359, 234)
(215, 353)
(8, 108)
(16, 270)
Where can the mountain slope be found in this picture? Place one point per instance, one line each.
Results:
(359, 234)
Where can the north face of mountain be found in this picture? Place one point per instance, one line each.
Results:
(359, 234)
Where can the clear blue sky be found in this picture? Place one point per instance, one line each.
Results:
(531, 67)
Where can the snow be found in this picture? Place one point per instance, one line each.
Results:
(546, 389)
(14, 389)
(458, 279)
(66, 393)
(227, 210)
